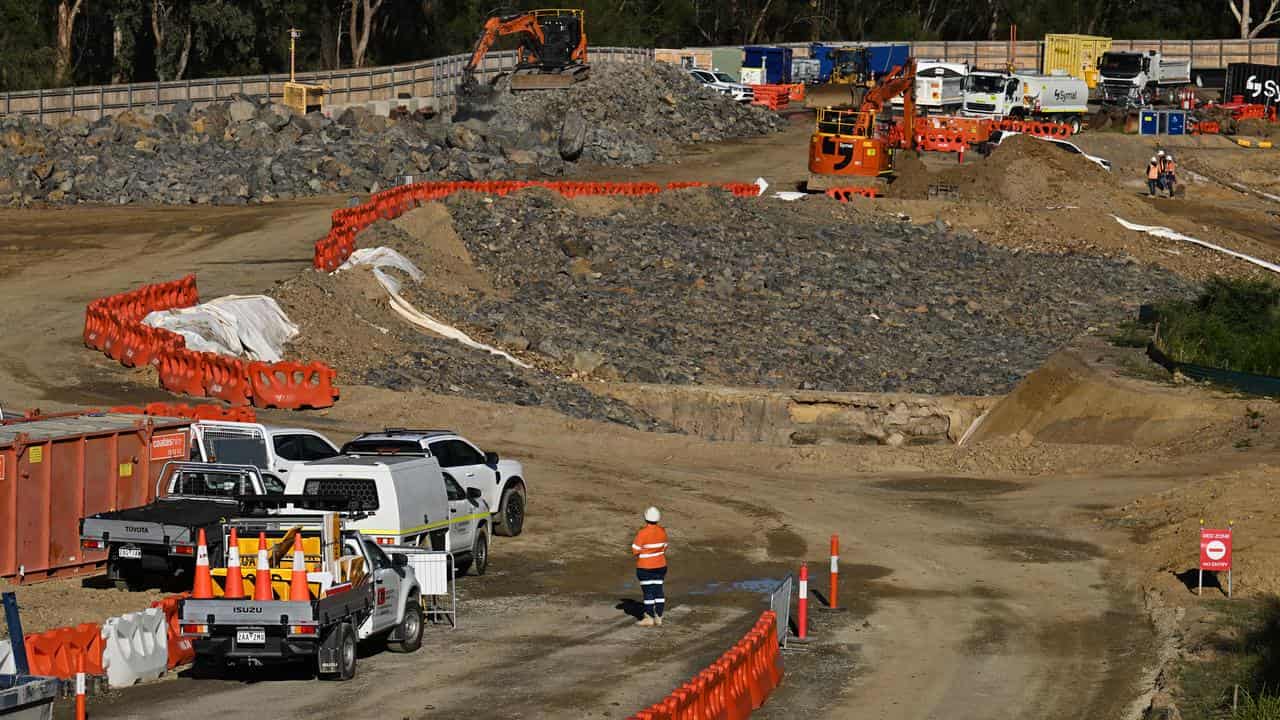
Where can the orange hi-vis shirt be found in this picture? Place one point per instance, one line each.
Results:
(650, 547)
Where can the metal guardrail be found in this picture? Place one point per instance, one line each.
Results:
(437, 78)
(780, 604)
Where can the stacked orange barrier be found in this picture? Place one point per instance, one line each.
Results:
(796, 92)
(114, 326)
(1206, 127)
(1031, 127)
(334, 249)
(56, 653)
(733, 686)
(942, 141)
(181, 652)
(774, 97)
(844, 194)
(197, 412)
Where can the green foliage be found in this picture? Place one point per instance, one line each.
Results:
(1257, 707)
(1243, 652)
(114, 39)
(1233, 324)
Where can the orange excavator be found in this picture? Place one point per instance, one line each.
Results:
(851, 145)
(552, 52)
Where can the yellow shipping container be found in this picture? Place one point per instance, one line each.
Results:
(1077, 55)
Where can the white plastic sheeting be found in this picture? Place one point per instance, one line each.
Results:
(135, 647)
(1164, 232)
(382, 257)
(248, 326)
(7, 664)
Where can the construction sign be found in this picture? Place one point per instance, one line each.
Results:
(169, 447)
(1215, 549)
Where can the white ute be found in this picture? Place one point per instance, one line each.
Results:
(273, 450)
(724, 84)
(501, 482)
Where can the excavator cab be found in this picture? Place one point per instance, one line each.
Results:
(855, 146)
(552, 49)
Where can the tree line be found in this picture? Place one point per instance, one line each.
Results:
(50, 43)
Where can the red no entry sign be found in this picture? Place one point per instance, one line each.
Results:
(1215, 549)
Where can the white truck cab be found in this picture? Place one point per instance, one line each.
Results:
(273, 450)
(406, 500)
(1058, 97)
(501, 482)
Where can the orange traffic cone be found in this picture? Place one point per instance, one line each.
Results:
(235, 581)
(262, 581)
(203, 587)
(298, 585)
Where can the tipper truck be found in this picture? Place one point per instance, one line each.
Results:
(355, 591)
(1136, 79)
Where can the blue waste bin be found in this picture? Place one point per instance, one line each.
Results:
(1149, 122)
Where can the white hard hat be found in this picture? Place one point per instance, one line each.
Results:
(1169, 156)
(1153, 159)
(1160, 152)
(652, 515)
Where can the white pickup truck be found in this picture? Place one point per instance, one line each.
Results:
(501, 482)
(273, 450)
(356, 592)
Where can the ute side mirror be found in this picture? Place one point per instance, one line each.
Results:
(399, 560)
(474, 493)
(491, 459)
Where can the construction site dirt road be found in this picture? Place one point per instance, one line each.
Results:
(983, 581)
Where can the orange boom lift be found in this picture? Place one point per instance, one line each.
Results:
(851, 145)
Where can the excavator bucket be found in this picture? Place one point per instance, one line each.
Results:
(548, 79)
(829, 95)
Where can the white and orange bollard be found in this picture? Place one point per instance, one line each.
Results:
(80, 689)
(835, 573)
(802, 612)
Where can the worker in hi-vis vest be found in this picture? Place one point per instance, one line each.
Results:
(650, 549)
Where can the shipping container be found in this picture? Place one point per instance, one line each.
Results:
(1076, 55)
(688, 58)
(57, 469)
(1257, 84)
(727, 60)
(775, 61)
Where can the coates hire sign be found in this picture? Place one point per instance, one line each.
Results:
(1258, 84)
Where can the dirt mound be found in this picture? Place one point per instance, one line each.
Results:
(1023, 171)
(1072, 400)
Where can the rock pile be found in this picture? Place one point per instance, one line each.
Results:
(248, 150)
(700, 287)
(625, 114)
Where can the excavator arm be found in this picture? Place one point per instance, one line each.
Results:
(900, 81)
(499, 26)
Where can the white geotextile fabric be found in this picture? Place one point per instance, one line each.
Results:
(381, 257)
(1164, 232)
(248, 326)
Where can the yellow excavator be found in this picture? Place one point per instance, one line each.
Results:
(552, 52)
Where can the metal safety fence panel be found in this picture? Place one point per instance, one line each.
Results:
(780, 604)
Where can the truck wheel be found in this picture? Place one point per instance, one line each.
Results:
(410, 630)
(1073, 122)
(510, 517)
(480, 553)
(346, 654)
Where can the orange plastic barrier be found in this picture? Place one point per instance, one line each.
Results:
(226, 378)
(182, 372)
(774, 97)
(333, 249)
(197, 412)
(292, 385)
(796, 91)
(181, 652)
(57, 652)
(1029, 127)
(733, 686)
(843, 194)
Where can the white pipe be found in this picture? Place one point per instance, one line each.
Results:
(1165, 232)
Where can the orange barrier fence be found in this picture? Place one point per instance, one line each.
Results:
(197, 412)
(181, 652)
(333, 249)
(56, 653)
(1031, 127)
(796, 92)
(733, 686)
(774, 97)
(1206, 127)
(843, 194)
(114, 326)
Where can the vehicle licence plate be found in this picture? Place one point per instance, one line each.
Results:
(129, 552)
(251, 636)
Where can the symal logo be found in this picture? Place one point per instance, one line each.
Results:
(255, 610)
(1258, 89)
(1061, 95)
